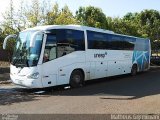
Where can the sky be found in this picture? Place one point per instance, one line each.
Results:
(112, 8)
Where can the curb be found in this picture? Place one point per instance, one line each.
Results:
(154, 67)
(6, 82)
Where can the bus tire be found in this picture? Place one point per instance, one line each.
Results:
(134, 70)
(76, 79)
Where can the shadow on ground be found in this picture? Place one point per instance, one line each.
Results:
(17, 95)
(144, 84)
(9, 96)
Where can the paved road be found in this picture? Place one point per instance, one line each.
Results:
(124, 94)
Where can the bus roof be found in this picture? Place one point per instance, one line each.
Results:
(76, 27)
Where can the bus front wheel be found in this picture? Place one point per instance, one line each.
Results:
(76, 79)
(134, 70)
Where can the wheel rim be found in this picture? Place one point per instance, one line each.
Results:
(77, 78)
(134, 70)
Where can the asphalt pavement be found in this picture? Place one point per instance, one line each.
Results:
(122, 94)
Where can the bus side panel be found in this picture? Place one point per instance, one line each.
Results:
(142, 59)
(97, 61)
(101, 69)
(119, 67)
(106, 63)
(126, 66)
(119, 62)
(114, 68)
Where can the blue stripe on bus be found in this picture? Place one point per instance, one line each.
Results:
(142, 59)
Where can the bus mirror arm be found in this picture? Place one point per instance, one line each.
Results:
(33, 38)
(6, 39)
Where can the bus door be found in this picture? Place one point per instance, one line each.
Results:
(48, 78)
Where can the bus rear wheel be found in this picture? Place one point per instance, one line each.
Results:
(134, 70)
(76, 79)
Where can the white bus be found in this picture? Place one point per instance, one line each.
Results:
(54, 55)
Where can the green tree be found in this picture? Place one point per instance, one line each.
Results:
(144, 24)
(91, 16)
(8, 22)
(8, 26)
(65, 17)
(52, 15)
(20, 17)
(149, 23)
(34, 13)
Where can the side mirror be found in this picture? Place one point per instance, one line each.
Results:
(33, 38)
(6, 39)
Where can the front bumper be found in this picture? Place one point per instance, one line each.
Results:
(26, 82)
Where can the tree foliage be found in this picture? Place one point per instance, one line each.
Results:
(91, 16)
(65, 17)
(42, 12)
(51, 15)
(145, 24)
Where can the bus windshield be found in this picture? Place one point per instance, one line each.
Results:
(24, 55)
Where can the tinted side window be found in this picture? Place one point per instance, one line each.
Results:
(116, 42)
(129, 43)
(146, 44)
(142, 44)
(97, 40)
(69, 41)
(74, 38)
(50, 48)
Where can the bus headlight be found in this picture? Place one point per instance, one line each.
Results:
(33, 76)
